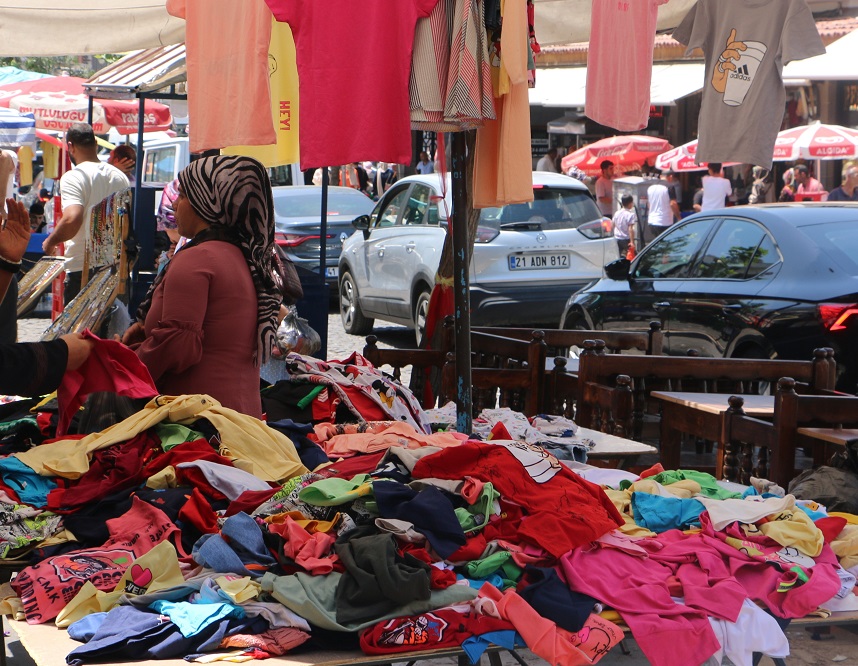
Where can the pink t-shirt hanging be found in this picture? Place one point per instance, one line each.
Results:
(619, 63)
(227, 57)
(354, 61)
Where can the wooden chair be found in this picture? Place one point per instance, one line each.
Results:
(681, 373)
(424, 363)
(506, 372)
(560, 341)
(815, 421)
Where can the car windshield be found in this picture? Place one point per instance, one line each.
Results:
(551, 208)
(839, 240)
(300, 202)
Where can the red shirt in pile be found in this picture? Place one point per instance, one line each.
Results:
(354, 61)
(564, 510)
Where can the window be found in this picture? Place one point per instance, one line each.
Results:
(671, 255)
(551, 208)
(392, 207)
(417, 205)
(160, 165)
(729, 253)
(765, 257)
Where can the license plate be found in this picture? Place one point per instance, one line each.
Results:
(332, 271)
(524, 261)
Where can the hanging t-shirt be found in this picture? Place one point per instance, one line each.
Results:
(283, 80)
(619, 62)
(354, 88)
(227, 56)
(746, 44)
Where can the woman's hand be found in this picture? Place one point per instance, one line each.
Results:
(15, 234)
(135, 334)
(79, 349)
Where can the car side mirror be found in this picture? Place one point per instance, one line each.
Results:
(362, 224)
(618, 269)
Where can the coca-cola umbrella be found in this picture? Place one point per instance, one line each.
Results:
(57, 102)
(683, 159)
(816, 142)
(627, 152)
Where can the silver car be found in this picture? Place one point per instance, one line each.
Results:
(527, 257)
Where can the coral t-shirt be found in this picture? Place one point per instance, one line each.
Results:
(619, 64)
(354, 61)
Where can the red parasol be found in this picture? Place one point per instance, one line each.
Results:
(627, 152)
(57, 102)
(682, 159)
(816, 142)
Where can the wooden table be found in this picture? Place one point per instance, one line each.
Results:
(701, 415)
(610, 447)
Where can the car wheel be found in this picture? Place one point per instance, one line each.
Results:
(355, 322)
(421, 310)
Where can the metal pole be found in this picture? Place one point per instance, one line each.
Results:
(323, 229)
(89, 109)
(461, 294)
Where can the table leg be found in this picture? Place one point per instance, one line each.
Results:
(671, 439)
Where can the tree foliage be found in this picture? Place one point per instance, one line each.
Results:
(82, 66)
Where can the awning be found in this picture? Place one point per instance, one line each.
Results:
(69, 27)
(140, 72)
(568, 124)
(566, 86)
(838, 63)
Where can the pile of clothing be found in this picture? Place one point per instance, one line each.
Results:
(185, 529)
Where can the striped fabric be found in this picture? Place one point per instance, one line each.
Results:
(16, 129)
(450, 83)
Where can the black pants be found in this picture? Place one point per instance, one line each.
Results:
(623, 246)
(654, 230)
(71, 287)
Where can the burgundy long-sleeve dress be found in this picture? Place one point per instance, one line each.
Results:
(201, 330)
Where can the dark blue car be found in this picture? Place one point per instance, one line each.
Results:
(765, 281)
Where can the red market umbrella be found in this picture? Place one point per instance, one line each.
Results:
(816, 142)
(57, 102)
(628, 152)
(683, 159)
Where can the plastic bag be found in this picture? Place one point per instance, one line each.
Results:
(296, 335)
(631, 253)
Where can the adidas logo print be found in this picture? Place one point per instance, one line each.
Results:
(741, 73)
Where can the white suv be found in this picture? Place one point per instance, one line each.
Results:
(528, 258)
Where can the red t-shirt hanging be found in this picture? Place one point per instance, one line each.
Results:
(354, 60)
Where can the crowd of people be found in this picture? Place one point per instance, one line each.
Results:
(666, 203)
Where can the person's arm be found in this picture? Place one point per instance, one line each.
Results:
(14, 237)
(69, 224)
(31, 369)
(176, 342)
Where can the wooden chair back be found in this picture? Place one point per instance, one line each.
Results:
(683, 373)
(796, 415)
(506, 372)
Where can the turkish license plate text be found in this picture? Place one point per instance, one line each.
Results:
(332, 271)
(530, 260)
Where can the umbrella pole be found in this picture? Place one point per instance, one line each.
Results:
(89, 109)
(461, 287)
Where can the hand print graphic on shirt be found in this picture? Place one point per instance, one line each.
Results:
(736, 69)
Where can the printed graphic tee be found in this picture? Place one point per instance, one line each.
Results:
(354, 61)
(746, 43)
(619, 64)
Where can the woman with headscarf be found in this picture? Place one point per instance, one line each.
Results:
(209, 319)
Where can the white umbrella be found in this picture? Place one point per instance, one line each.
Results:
(682, 159)
(816, 142)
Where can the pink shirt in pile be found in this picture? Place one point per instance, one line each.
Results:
(227, 55)
(354, 60)
(619, 63)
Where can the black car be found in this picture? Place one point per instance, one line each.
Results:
(764, 281)
(298, 214)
